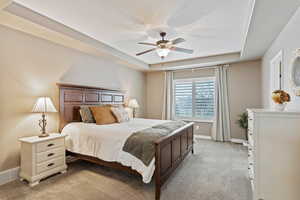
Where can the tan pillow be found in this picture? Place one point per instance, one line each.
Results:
(103, 115)
(120, 114)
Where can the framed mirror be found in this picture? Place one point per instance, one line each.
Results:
(295, 72)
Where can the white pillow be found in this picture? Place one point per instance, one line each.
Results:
(121, 114)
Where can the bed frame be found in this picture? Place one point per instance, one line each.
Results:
(170, 150)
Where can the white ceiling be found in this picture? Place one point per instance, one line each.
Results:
(210, 27)
(268, 20)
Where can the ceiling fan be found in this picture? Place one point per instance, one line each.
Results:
(163, 47)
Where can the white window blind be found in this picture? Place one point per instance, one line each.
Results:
(194, 98)
(183, 98)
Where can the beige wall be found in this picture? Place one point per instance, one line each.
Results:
(288, 41)
(31, 67)
(196, 73)
(203, 128)
(244, 92)
(154, 94)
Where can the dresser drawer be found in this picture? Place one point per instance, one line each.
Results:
(50, 154)
(252, 185)
(251, 172)
(250, 140)
(250, 157)
(47, 165)
(250, 116)
(45, 146)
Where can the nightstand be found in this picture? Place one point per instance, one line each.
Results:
(42, 157)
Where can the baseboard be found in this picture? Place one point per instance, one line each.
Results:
(203, 137)
(233, 140)
(238, 141)
(9, 175)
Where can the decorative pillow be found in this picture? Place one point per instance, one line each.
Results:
(86, 115)
(103, 115)
(120, 113)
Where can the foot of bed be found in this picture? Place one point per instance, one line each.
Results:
(157, 193)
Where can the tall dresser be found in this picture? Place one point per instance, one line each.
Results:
(274, 154)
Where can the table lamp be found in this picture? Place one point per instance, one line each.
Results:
(134, 105)
(43, 105)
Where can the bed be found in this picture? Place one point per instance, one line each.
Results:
(102, 144)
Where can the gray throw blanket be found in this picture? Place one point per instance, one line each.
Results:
(141, 144)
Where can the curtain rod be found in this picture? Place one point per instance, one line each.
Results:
(191, 69)
(198, 68)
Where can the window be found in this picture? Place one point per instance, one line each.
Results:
(194, 98)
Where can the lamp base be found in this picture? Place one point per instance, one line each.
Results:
(44, 135)
(134, 113)
(42, 124)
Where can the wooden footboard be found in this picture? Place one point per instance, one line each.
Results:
(170, 152)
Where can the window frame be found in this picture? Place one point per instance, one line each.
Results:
(194, 119)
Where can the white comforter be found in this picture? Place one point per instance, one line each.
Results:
(106, 142)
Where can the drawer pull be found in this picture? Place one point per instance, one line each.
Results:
(50, 145)
(50, 154)
(50, 164)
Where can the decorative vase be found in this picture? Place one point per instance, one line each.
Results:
(280, 106)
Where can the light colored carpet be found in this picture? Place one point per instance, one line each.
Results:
(216, 171)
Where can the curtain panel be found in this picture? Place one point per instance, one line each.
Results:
(221, 129)
(167, 110)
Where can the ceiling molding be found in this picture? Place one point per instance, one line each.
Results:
(20, 24)
(268, 20)
(248, 22)
(27, 18)
(198, 62)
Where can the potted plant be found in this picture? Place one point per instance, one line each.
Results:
(243, 123)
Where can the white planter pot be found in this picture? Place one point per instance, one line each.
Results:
(280, 107)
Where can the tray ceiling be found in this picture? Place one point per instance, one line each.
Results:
(210, 27)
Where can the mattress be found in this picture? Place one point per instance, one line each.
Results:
(106, 142)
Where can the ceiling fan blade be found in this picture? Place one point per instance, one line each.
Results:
(141, 53)
(147, 43)
(177, 40)
(189, 51)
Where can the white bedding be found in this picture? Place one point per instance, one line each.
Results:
(106, 142)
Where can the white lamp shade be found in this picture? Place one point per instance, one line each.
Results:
(133, 103)
(44, 105)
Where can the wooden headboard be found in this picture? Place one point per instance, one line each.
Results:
(71, 97)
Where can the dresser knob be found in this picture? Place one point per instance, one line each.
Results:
(50, 145)
(50, 154)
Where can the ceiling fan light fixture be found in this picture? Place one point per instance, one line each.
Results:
(162, 52)
(163, 47)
